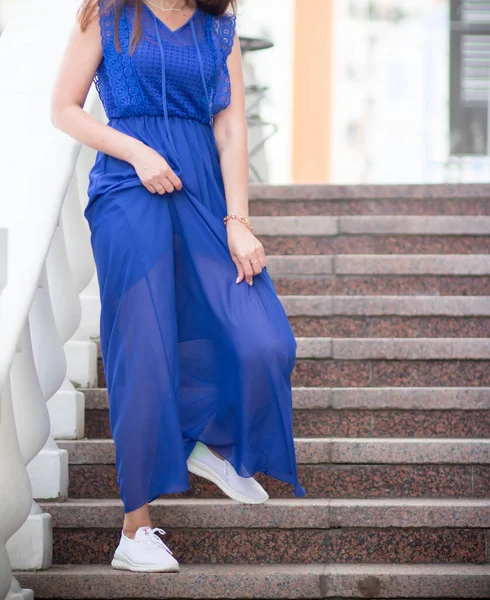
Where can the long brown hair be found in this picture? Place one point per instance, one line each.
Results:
(88, 12)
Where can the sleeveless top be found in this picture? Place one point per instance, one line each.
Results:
(174, 73)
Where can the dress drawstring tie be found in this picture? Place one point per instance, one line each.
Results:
(164, 81)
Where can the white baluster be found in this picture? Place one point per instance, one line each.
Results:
(90, 297)
(62, 288)
(49, 469)
(67, 407)
(31, 546)
(17, 593)
(81, 352)
(15, 493)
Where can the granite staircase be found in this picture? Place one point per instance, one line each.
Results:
(388, 292)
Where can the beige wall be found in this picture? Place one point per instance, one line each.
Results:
(312, 102)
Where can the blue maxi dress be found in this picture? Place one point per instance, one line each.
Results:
(189, 355)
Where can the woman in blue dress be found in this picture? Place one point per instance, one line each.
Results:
(196, 346)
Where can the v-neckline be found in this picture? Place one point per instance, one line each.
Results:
(165, 25)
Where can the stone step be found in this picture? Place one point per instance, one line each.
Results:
(393, 327)
(375, 399)
(380, 265)
(344, 468)
(288, 581)
(367, 244)
(394, 348)
(371, 275)
(314, 200)
(386, 306)
(319, 419)
(372, 225)
(382, 373)
(333, 451)
(298, 513)
(388, 316)
(380, 362)
(224, 531)
(383, 285)
(374, 235)
(321, 481)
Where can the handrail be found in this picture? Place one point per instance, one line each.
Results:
(37, 164)
(37, 161)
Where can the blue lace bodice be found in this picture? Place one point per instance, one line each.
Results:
(182, 73)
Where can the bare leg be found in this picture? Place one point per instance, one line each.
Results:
(136, 519)
(216, 454)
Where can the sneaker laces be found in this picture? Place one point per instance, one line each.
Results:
(154, 542)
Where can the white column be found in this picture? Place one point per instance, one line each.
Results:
(31, 546)
(15, 492)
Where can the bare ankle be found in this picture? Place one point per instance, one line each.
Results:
(136, 519)
(216, 454)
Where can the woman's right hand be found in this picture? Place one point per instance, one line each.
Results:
(154, 171)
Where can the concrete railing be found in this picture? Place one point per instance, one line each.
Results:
(45, 263)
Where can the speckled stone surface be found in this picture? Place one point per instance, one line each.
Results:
(321, 481)
(299, 207)
(380, 264)
(409, 398)
(402, 264)
(297, 226)
(409, 513)
(279, 266)
(280, 514)
(413, 451)
(97, 424)
(95, 399)
(384, 285)
(365, 244)
(481, 480)
(99, 582)
(373, 225)
(349, 423)
(403, 194)
(322, 398)
(430, 373)
(313, 347)
(314, 372)
(336, 373)
(318, 306)
(101, 380)
(199, 546)
(354, 423)
(390, 327)
(409, 348)
(405, 225)
(407, 581)
(391, 373)
(397, 546)
(407, 306)
(194, 581)
(242, 546)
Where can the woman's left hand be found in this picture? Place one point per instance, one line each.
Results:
(246, 251)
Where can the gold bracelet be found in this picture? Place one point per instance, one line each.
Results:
(239, 218)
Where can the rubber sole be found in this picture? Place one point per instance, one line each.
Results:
(204, 471)
(122, 563)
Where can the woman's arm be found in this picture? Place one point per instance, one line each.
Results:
(80, 62)
(230, 128)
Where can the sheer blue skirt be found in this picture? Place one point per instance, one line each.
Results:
(189, 355)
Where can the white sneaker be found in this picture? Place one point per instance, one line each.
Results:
(204, 463)
(146, 553)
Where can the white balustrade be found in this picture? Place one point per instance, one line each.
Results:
(45, 263)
